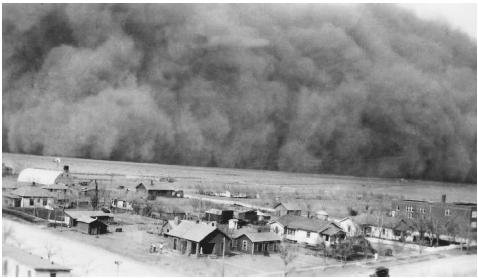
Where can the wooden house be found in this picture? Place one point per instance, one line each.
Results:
(152, 191)
(72, 216)
(32, 196)
(256, 242)
(197, 238)
(287, 208)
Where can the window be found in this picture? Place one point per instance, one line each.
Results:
(326, 237)
(409, 215)
(348, 229)
(291, 232)
(32, 201)
(473, 214)
(244, 245)
(383, 231)
(308, 235)
(473, 224)
(398, 208)
(447, 212)
(45, 201)
(422, 210)
(276, 230)
(409, 208)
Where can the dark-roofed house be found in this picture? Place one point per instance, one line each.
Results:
(19, 263)
(91, 226)
(247, 215)
(31, 196)
(194, 237)
(256, 242)
(220, 216)
(287, 208)
(160, 190)
(307, 230)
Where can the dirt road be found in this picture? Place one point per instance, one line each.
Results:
(84, 259)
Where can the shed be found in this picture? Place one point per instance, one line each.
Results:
(91, 226)
(287, 208)
(256, 242)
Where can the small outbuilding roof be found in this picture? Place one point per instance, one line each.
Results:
(32, 191)
(77, 214)
(303, 223)
(193, 231)
(86, 219)
(30, 260)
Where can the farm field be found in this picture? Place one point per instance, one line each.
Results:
(265, 181)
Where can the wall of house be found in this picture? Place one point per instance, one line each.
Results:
(37, 202)
(301, 237)
(216, 238)
(277, 228)
(240, 244)
(349, 227)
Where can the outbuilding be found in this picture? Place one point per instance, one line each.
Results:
(43, 176)
(91, 226)
(256, 242)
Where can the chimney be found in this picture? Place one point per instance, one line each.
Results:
(443, 198)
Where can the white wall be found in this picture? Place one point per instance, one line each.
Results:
(37, 202)
(10, 271)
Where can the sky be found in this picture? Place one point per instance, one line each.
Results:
(460, 16)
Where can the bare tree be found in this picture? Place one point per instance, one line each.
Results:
(288, 253)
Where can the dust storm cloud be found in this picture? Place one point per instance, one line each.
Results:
(341, 89)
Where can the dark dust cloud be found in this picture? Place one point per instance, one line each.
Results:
(341, 89)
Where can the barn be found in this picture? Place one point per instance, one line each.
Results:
(43, 176)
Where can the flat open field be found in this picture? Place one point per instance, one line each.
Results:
(265, 181)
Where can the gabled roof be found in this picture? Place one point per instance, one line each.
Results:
(35, 262)
(385, 222)
(259, 237)
(289, 206)
(193, 231)
(86, 219)
(40, 176)
(302, 223)
(32, 191)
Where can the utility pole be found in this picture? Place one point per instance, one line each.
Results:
(223, 255)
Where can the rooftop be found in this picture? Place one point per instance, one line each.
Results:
(40, 176)
(302, 223)
(76, 214)
(31, 260)
(289, 205)
(192, 230)
(32, 191)
(259, 236)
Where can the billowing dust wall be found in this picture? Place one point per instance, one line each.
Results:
(345, 89)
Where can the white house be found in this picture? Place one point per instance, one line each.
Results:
(19, 263)
(348, 226)
(31, 196)
(306, 230)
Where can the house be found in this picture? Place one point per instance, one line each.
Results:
(6, 170)
(197, 238)
(441, 211)
(246, 215)
(348, 226)
(44, 176)
(287, 208)
(72, 216)
(152, 191)
(221, 216)
(307, 230)
(31, 196)
(256, 242)
(390, 228)
(11, 200)
(122, 200)
(91, 226)
(17, 262)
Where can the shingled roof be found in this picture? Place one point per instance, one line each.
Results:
(193, 231)
(32, 191)
(289, 206)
